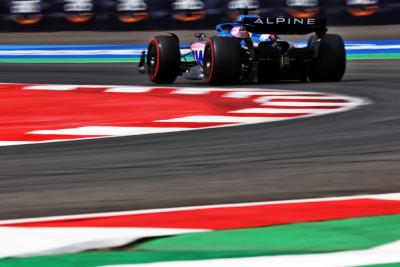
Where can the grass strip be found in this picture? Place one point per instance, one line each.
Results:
(301, 238)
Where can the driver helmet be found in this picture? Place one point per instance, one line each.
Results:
(240, 32)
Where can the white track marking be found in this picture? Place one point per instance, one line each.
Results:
(25, 242)
(13, 143)
(110, 130)
(52, 87)
(223, 119)
(389, 196)
(372, 47)
(308, 104)
(192, 91)
(70, 52)
(301, 97)
(245, 93)
(281, 110)
(129, 89)
(388, 253)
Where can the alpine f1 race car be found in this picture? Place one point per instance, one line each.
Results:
(249, 49)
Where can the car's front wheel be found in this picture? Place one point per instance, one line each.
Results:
(163, 59)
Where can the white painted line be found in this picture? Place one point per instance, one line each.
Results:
(245, 94)
(388, 253)
(52, 87)
(281, 110)
(389, 196)
(192, 91)
(307, 104)
(109, 131)
(94, 52)
(26, 242)
(314, 98)
(222, 119)
(13, 143)
(372, 47)
(129, 89)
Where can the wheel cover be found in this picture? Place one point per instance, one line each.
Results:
(207, 65)
(152, 60)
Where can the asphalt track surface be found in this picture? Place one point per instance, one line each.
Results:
(356, 152)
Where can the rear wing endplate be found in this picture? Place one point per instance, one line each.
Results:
(283, 25)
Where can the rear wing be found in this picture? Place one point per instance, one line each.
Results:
(283, 25)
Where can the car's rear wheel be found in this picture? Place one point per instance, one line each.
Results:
(330, 63)
(222, 61)
(163, 59)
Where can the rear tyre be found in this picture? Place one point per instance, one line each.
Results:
(222, 61)
(163, 59)
(330, 63)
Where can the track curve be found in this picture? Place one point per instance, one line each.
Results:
(349, 153)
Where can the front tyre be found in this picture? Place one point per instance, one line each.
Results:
(222, 61)
(330, 63)
(163, 59)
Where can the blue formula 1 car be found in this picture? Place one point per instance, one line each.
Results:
(249, 49)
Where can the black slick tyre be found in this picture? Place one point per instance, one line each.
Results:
(222, 61)
(163, 59)
(330, 63)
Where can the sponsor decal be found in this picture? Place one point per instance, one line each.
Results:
(26, 12)
(198, 52)
(78, 11)
(235, 7)
(131, 11)
(198, 55)
(188, 10)
(302, 8)
(362, 8)
(287, 21)
(259, 21)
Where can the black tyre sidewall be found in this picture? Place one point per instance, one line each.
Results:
(225, 60)
(330, 65)
(168, 59)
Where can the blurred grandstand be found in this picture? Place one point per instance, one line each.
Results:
(55, 15)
